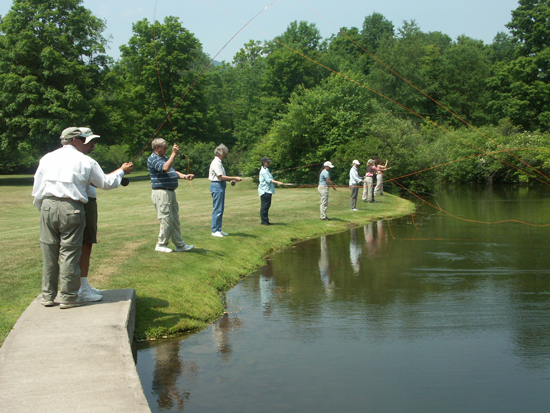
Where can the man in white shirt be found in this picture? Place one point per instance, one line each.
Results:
(354, 183)
(60, 192)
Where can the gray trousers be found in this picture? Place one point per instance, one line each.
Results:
(167, 208)
(62, 223)
(323, 193)
(354, 191)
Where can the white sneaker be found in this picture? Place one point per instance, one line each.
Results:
(217, 234)
(96, 290)
(86, 294)
(186, 247)
(224, 233)
(161, 248)
(355, 209)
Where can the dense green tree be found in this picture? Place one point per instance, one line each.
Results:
(458, 81)
(503, 48)
(338, 121)
(51, 59)
(345, 51)
(376, 29)
(521, 87)
(407, 55)
(285, 66)
(157, 66)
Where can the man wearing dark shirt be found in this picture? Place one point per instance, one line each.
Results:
(164, 180)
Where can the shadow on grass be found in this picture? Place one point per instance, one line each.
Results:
(205, 252)
(149, 309)
(241, 234)
(148, 303)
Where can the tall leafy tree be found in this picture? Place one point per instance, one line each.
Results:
(180, 59)
(376, 28)
(521, 87)
(51, 59)
(286, 68)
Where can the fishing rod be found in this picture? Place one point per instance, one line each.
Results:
(161, 124)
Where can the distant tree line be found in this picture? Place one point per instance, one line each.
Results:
(419, 99)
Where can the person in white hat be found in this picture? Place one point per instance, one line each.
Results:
(354, 183)
(60, 192)
(324, 182)
(86, 291)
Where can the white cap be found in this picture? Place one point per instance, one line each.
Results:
(327, 163)
(356, 162)
(88, 131)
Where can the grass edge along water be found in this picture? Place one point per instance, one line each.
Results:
(176, 292)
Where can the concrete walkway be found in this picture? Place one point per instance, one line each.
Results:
(74, 360)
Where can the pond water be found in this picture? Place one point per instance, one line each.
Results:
(427, 313)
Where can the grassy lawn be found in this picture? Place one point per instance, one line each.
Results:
(177, 291)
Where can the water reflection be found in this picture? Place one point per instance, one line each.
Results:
(220, 334)
(168, 368)
(324, 268)
(424, 313)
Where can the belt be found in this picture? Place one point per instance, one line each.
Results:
(55, 198)
(166, 189)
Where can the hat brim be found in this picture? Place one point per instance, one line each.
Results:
(89, 138)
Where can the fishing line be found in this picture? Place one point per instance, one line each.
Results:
(417, 114)
(162, 92)
(161, 124)
(421, 91)
(378, 93)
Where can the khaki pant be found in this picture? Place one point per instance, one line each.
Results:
(323, 193)
(168, 214)
(379, 184)
(367, 189)
(62, 223)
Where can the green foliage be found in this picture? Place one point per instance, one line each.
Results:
(112, 157)
(180, 60)
(200, 156)
(521, 87)
(51, 55)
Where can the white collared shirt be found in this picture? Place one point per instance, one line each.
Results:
(67, 173)
(216, 170)
(354, 178)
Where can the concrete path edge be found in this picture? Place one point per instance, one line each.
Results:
(77, 359)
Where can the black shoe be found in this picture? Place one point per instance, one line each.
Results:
(266, 223)
(325, 219)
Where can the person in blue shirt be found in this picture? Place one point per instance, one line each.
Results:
(266, 189)
(164, 180)
(324, 182)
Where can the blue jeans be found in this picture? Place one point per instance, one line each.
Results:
(217, 188)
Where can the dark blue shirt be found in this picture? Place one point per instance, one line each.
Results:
(159, 178)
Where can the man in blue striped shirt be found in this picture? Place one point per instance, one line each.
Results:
(164, 180)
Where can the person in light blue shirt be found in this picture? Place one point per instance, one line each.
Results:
(266, 189)
(354, 183)
(324, 183)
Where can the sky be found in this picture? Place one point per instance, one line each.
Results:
(479, 19)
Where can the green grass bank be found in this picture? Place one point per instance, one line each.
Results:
(176, 292)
